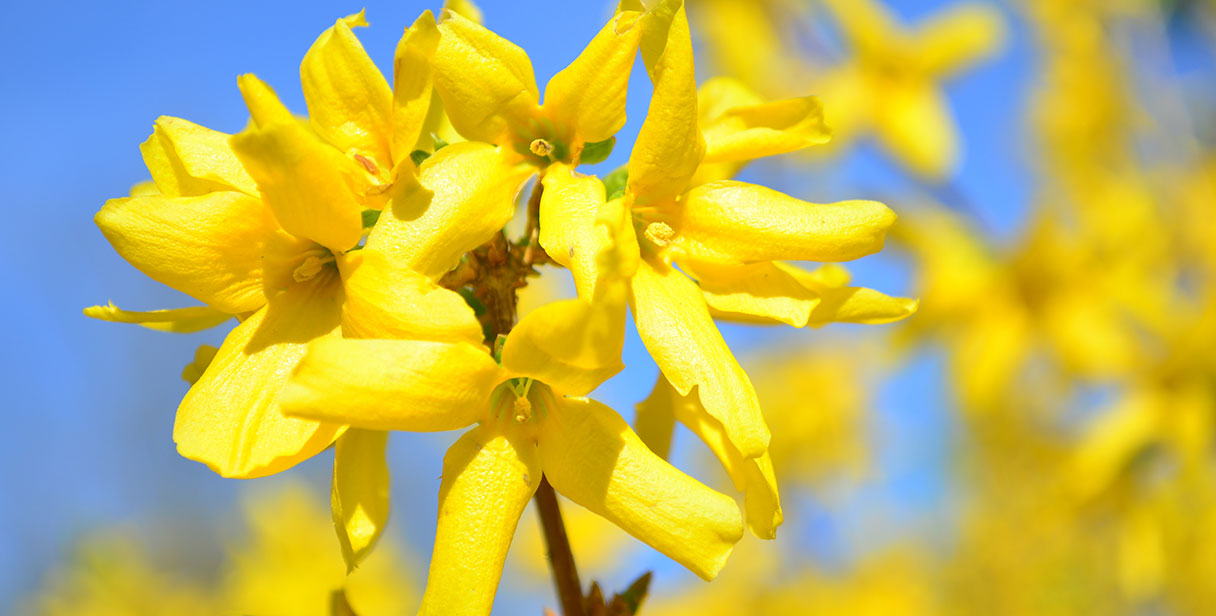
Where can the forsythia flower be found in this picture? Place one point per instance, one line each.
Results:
(358, 256)
(532, 422)
(725, 234)
(489, 91)
(282, 562)
(267, 229)
(890, 83)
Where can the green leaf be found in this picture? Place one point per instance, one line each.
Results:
(597, 152)
(418, 156)
(614, 183)
(370, 217)
(479, 308)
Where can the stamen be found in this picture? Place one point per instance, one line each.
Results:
(541, 148)
(522, 409)
(366, 162)
(660, 233)
(310, 268)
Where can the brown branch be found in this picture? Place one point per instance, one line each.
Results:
(565, 573)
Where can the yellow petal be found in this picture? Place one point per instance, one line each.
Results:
(144, 189)
(177, 320)
(916, 125)
(752, 476)
(841, 304)
(569, 206)
(861, 305)
(230, 420)
(412, 84)
(486, 81)
(571, 345)
(264, 105)
(733, 223)
(349, 102)
(488, 479)
(866, 25)
(209, 247)
(385, 300)
(186, 159)
(960, 36)
(466, 8)
(588, 97)
(655, 419)
(408, 385)
(755, 293)
(591, 456)
(199, 363)
(669, 146)
(359, 492)
(313, 189)
(467, 194)
(676, 328)
(746, 132)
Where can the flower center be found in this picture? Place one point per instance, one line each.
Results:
(312, 265)
(522, 399)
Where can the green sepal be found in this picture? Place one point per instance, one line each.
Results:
(597, 152)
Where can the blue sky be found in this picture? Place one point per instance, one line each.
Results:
(90, 404)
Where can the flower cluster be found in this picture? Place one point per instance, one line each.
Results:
(362, 250)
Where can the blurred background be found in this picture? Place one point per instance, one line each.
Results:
(1037, 439)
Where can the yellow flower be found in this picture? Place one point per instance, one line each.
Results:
(489, 91)
(889, 85)
(265, 225)
(281, 561)
(533, 421)
(725, 234)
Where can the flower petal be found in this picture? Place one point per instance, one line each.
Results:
(958, 37)
(410, 385)
(915, 123)
(264, 105)
(359, 492)
(230, 420)
(486, 81)
(669, 146)
(655, 420)
(194, 370)
(674, 324)
(313, 189)
(385, 300)
(412, 84)
(591, 456)
(467, 194)
(733, 223)
(569, 206)
(754, 293)
(209, 247)
(752, 476)
(841, 304)
(571, 345)
(746, 132)
(186, 159)
(488, 479)
(177, 320)
(588, 96)
(349, 102)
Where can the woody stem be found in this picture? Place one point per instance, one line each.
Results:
(565, 573)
